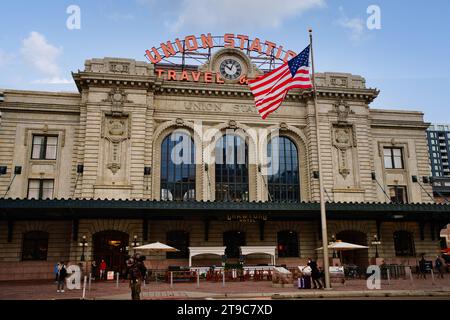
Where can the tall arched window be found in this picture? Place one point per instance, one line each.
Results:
(404, 244)
(35, 245)
(231, 169)
(283, 172)
(179, 240)
(178, 167)
(287, 244)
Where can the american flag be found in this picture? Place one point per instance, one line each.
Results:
(271, 89)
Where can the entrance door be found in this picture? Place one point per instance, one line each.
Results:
(232, 240)
(358, 257)
(112, 247)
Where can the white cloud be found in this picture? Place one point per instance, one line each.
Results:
(232, 13)
(356, 26)
(41, 54)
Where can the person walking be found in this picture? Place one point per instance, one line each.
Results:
(440, 266)
(102, 269)
(55, 271)
(315, 274)
(94, 268)
(136, 271)
(422, 268)
(61, 276)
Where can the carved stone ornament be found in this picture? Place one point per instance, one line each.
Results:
(119, 67)
(343, 110)
(343, 140)
(283, 126)
(115, 131)
(117, 98)
(179, 122)
(232, 124)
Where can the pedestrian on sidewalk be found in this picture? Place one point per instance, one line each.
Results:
(103, 269)
(315, 274)
(440, 266)
(55, 271)
(61, 276)
(94, 268)
(422, 268)
(136, 274)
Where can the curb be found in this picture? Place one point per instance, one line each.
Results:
(362, 294)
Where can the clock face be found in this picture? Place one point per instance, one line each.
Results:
(230, 69)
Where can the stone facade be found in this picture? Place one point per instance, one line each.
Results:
(115, 125)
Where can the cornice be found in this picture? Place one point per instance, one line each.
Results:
(40, 107)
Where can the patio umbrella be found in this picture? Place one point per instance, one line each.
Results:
(343, 246)
(156, 247)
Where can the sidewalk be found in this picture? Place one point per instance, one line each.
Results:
(46, 290)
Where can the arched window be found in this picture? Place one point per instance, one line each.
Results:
(231, 169)
(283, 171)
(287, 244)
(404, 244)
(179, 240)
(233, 240)
(35, 245)
(178, 167)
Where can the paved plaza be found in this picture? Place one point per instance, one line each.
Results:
(102, 290)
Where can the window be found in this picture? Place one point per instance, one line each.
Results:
(287, 244)
(178, 167)
(231, 169)
(283, 174)
(393, 158)
(179, 240)
(233, 240)
(35, 245)
(398, 194)
(404, 244)
(44, 147)
(40, 189)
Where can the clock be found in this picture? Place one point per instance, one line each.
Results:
(230, 69)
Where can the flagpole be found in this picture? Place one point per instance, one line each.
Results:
(323, 215)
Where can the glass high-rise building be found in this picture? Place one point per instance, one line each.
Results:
(439, 146)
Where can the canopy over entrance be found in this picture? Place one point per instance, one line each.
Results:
(195, 251)
(269, 250)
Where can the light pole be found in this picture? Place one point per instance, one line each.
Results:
(135, 242)
(83, 244)
(376, 242)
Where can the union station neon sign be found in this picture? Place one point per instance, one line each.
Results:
(191, 44)
(194, 50)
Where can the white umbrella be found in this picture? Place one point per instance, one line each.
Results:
(156, 247)
(342, 246)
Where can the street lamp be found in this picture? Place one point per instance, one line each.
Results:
(135, 242)
(83, 244)
(376, 242)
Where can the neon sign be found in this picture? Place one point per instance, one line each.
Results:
(191, 44)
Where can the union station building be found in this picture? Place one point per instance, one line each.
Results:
(95, 167)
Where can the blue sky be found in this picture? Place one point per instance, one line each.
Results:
(407, 59)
